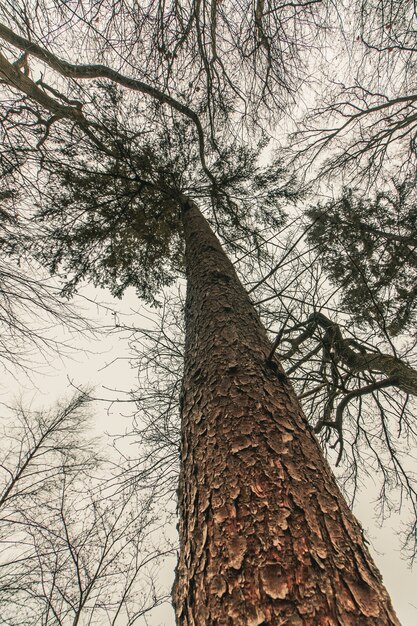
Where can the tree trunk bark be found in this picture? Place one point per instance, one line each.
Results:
(265, 534)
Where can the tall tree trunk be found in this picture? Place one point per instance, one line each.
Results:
(266, 536)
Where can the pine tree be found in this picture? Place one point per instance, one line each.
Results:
(265, 534)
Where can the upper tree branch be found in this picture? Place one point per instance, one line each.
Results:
(12, 76)
(82, 71)
(337, 424)
(377, 362)
(360, 360)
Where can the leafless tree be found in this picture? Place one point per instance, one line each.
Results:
(364, 124)
(193, 56)
(31, 308)
(79, 547)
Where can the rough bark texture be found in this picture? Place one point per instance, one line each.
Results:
(266, 537)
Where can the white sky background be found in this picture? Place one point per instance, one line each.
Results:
(104, 363)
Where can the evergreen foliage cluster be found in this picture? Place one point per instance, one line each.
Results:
(369, 248)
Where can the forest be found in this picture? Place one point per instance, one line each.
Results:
(211, 204)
